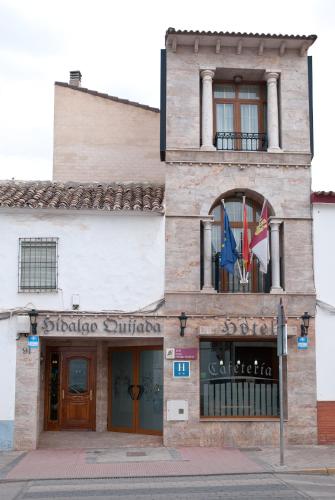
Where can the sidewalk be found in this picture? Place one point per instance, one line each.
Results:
(161, 461)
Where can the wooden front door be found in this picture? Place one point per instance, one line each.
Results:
(70, 389)
(136, 390)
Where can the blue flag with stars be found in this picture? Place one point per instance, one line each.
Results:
(229, 254)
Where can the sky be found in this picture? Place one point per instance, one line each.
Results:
(116, 46)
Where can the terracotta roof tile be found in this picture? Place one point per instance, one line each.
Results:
(173, 31)
(76, 196)
(323, 197)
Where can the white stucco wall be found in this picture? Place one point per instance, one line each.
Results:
(114, 262)
(324, 243)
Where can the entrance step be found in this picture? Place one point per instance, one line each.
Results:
(98, 440)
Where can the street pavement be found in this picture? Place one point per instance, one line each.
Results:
(237, 486)
(164, 473)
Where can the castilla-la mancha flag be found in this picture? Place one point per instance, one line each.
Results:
(259, 245)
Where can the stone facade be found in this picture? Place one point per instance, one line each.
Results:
(197, 175)
(100, 139)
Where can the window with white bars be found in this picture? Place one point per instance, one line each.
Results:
(38, 265)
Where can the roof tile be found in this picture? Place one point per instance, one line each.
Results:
(76, 196)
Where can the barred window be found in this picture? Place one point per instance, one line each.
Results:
(239, 379)
(38, 264)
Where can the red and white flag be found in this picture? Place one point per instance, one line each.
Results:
(259, 245)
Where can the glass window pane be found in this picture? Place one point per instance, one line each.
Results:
(151, 384)
(224, 91)
(54, 387)
(38, 264)
(248, 92)
(216, 212)
(249, 118)
(224, 118)
(78, 376)
(234, 210)
(238, 379)
(122, 382)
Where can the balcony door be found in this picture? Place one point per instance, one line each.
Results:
(239, 116)
(136, 390)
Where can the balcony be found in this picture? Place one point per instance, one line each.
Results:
(224, 282)
(241, 141)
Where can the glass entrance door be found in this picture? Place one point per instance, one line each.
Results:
(136, 390)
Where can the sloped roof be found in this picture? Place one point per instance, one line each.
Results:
(173, 31)
(323, 197)
(82, 196)
(107, 96)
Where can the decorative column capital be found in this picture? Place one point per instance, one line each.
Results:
(207, 224)
(275, 223)
(271, 76)
(207, 74)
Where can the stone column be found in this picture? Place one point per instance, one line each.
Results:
(27, 396)
(207, 287)
(272, 112)
(275, 264)
(207, 110)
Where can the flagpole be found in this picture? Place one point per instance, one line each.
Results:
(245, 278)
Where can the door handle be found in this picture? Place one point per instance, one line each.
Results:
(135, 391)
(90, 394)
(62, 393)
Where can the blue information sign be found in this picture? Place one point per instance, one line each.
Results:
(181, 369)
(302, 343)
(33, 340)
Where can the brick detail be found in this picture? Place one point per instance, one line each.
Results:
(326, 422)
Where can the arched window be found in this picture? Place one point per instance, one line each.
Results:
(222, 280)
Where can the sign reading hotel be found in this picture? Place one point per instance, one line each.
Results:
(254, 327)
(86, 326)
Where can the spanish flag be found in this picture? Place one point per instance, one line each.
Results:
(259, 245)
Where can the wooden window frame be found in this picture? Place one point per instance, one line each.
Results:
(236, 102)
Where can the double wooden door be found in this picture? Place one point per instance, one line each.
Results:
(70, 389)
(136, 390)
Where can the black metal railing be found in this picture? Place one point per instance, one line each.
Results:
(230, 283)
(241, 141)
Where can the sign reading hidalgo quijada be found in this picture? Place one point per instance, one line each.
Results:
(85, 326)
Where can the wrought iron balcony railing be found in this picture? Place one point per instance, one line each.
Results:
(229, 283)
(241, 141)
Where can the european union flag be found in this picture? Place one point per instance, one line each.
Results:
(229, 253)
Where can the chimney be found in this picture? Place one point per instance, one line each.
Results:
(75, 78)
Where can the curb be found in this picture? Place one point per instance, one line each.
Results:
(328, 471)
(322, 471)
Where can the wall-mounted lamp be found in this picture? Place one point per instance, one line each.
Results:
(33, 321)
(304, 324)
(238, 79)
(75, 301)
(183, 321)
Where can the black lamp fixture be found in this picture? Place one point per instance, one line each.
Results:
(304, 324)
(33, 321)
(183, 321)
